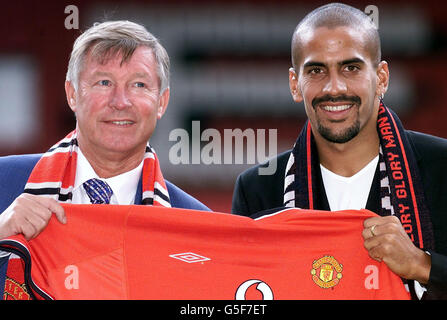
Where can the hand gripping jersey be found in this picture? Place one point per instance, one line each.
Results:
(144, 252)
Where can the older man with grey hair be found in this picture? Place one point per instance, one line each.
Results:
(117, 85)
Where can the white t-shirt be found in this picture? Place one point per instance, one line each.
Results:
(124, 186)
(345, 193)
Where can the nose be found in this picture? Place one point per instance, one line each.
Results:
(335, 85)
(119, 99)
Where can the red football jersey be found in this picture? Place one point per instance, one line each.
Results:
(144, 252)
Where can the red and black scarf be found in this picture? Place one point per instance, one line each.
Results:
(54, 174)
(401, 190)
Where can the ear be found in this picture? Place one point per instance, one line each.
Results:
(70, 93)
(293, 85)
(383, 78)
(163, 103)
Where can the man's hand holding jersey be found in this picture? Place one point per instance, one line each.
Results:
(29, 215)
(387, 241)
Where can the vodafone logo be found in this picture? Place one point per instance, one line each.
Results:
(267, 293)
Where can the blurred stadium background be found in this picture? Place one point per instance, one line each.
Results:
(229, 69)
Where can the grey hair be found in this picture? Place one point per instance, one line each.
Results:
(334, 15)
(106, 39)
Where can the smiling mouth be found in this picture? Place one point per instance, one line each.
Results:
(336, 108)
(336, 103)
(121, 122)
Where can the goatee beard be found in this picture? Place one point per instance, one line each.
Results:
(343, 137)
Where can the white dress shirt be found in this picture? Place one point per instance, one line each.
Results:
(124, 186)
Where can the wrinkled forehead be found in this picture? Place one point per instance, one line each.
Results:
(140, 62)
(103, 52)
(119, 56)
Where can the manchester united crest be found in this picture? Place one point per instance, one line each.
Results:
(15, 291)
(326, 272)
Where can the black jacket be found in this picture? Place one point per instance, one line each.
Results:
(254, 193)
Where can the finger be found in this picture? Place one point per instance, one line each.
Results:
(387, 225)
(373, 246)
(58, 211)
(54, 207)
(372, 231)
(375, 253)
(371, 242)
(38, 218)
(368, 223)
(28, 229)
(381, 220)
(33, 208)
(32, 217)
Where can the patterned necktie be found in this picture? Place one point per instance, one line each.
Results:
(98, 191)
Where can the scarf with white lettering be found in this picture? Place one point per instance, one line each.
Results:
(54, 174)
(401, 190)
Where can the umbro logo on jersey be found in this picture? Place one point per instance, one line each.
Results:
(189, 257)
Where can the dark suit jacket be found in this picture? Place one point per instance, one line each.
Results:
(15, 170)
(254, 193)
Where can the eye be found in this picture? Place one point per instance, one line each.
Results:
(352, 68)
(315, 70)
(105, 83)
(140, 84)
